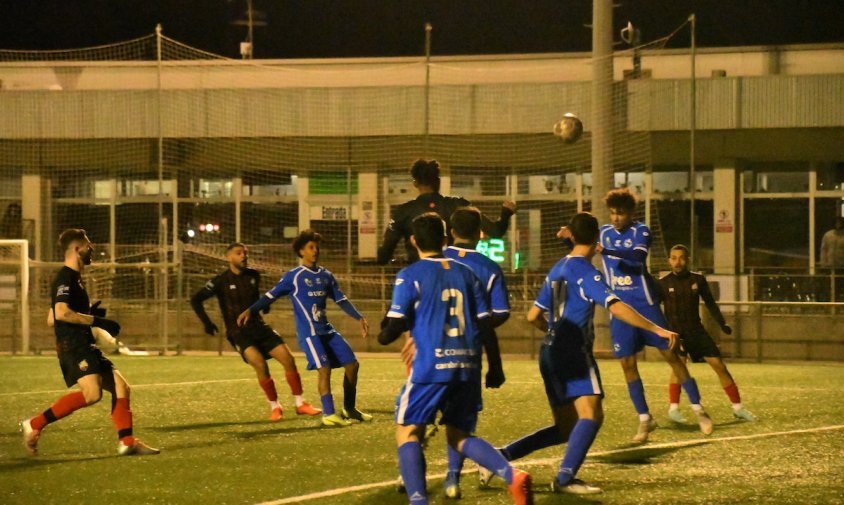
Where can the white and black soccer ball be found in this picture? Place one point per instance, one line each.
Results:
(568, 129)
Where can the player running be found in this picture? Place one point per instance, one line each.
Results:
(236, 289)
(308, 286)
(442, 303)
(626, 244)
(681, 292)
(82, 362)
(563, 310)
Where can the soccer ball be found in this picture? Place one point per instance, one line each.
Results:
(569, 129)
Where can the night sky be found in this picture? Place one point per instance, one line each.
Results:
(323, 28)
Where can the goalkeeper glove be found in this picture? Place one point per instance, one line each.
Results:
(211, 328)
(112, 327)
(96, 310)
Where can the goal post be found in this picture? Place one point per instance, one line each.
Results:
(14, 292)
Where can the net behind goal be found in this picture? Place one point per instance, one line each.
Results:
(165, 154)
(14, 295)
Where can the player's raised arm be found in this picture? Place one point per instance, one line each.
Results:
(283, 288)
(498, 229)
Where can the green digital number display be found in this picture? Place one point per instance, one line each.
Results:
(493, 249)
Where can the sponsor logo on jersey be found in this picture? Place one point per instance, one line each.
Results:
(316, 293)
(619, 280)
(628, 243)
(83, 365)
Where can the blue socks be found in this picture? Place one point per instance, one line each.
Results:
(637, 394)
(481, 452)
(327, 404)
(455, 461)
(546, 437)
(690, 387)
(580, 439)
(412, 467)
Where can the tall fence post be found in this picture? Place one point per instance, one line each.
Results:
(758, 312)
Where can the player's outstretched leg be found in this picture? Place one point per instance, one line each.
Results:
(689, 385)
(519, 483)
(540, 439)
(674, 389)
(66, 405)
(256, 360)
(329, 416)
(636, 390)
(121, 416)
(282, 354)
(590, 415)
(451, 485)
(730, 388)
(350, 388)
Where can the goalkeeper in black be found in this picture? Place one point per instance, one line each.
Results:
(426, 179)
(236, 289)
(681, 291)
(81, 361)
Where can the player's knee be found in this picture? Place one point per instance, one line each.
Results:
(92, 396)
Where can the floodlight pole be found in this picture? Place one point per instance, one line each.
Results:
(428, 29)
(692, 127)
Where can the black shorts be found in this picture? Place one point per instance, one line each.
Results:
(262, 337)
(698, 344)
(79, 363)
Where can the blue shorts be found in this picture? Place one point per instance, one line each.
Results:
(330, 350)
(561, 388)
(418, 404)
(628, 340)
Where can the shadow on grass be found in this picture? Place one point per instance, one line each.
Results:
(203, 426)
(278, 431)
(31, 462)
(642, 455)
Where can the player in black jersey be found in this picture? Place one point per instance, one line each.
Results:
(681, 292)
(81, 361)
(426, 178)
(236, 289)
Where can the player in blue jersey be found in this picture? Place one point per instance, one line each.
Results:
(443, 305)
(563, 310)
(626, 244)
(466, 232)
(309, 286)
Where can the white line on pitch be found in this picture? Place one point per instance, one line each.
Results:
(396, 381)
(136, 386)
(547, 461)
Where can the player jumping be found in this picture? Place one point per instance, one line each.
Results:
(626, 244)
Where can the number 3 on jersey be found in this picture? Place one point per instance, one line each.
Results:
(456, 321)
